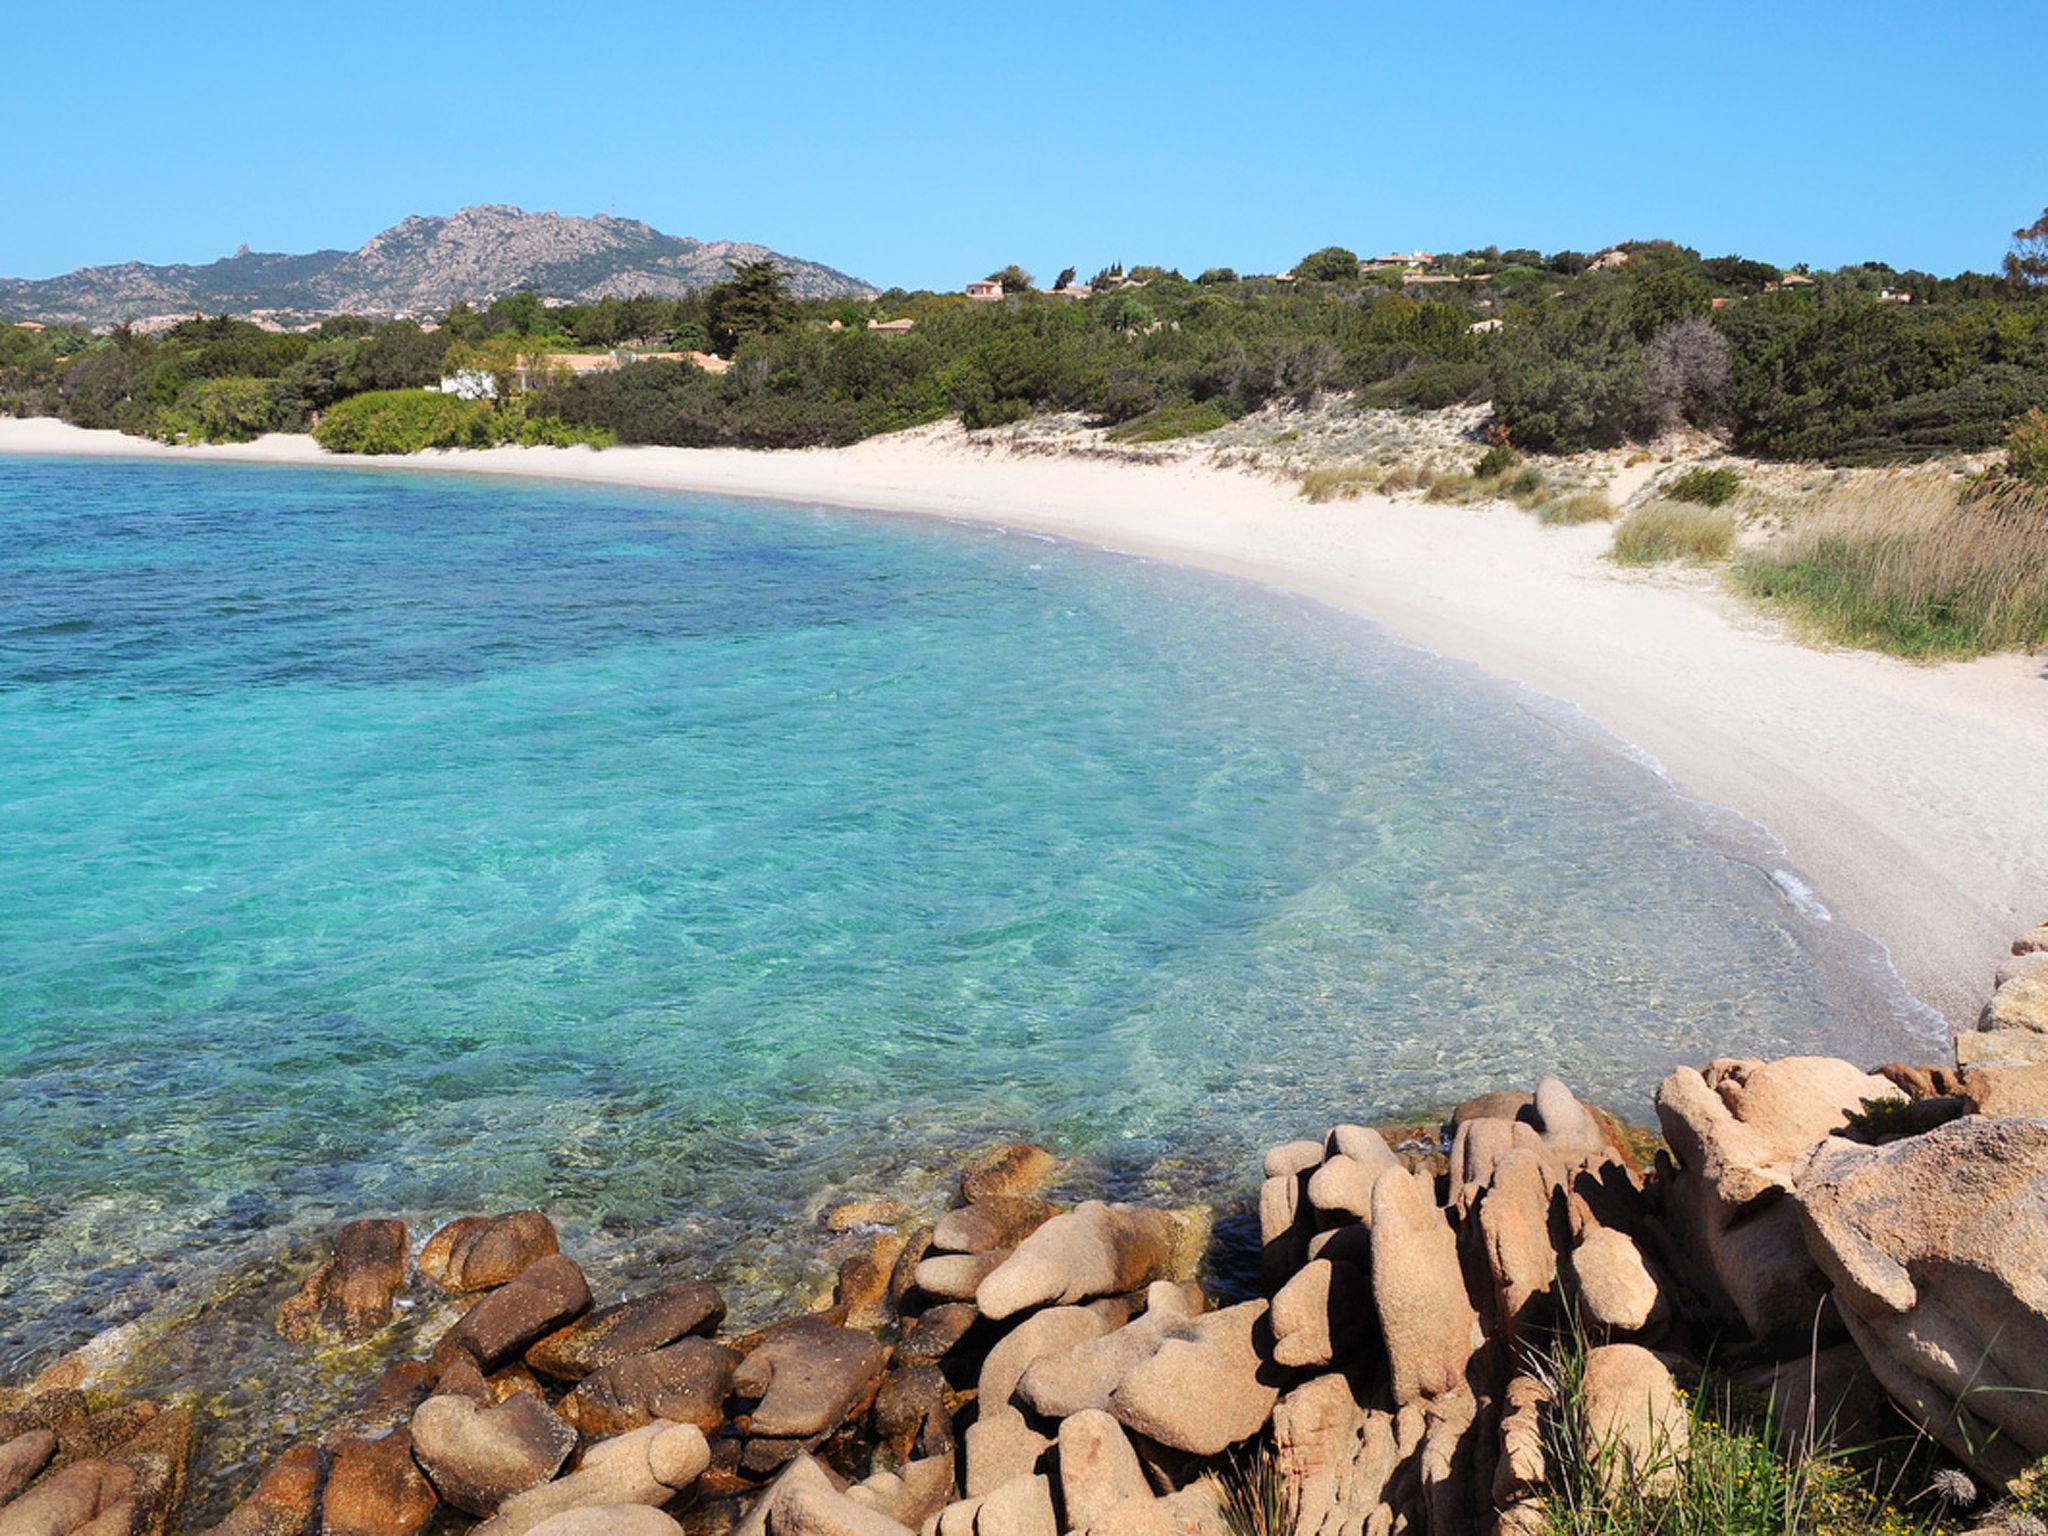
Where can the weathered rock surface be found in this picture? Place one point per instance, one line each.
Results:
(911, 1415)
(1017, 1168)
(609, 1520)
(475, 1253)
(1737, 1129)
(545, 1295)
(1098, 1468)
(685, 1383)
(375, 1488)
(937, 1331)
(1615, 1293)
(995, 1221)
(2002, 1091)
(1053, 1331)
(646, 1466)
(22, 1458)
(1632, 1403)
(73, 1499)
(958, 1276)
(634, 1327)
(1938, 1249)
(1418, 1291)
(808, 1377)
(477, 1456)
(351, 1293)
(910, 1496)
(284, 1500)
(1000, 1446)
(1093, 1250)
(2021, 1003)
(1020, 1507)
(1324, 1313)
(1086, 1375)
(1205, 1390)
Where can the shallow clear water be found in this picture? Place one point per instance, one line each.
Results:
(381, 842)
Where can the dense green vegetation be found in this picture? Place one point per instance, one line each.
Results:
(411, 420)
(1858, 365)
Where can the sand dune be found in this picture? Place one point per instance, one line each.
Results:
(1913, 799)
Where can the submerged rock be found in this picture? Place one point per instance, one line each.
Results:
(284, 1500)
(1016, 1168)
(351, 1294)
(376, 1488)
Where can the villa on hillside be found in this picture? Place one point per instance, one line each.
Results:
(1395, 261)
(578, 364)
(985, 290)
(893, 327)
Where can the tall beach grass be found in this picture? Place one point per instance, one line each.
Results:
(1674, 530)
(1914, 564)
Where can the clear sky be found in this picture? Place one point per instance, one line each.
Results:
(926, 144)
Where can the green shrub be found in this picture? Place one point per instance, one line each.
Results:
(413, 420)
(1495, 462)
(1170, 421)
(1707, 487)
(1580, 507)
(1669, 530)
(226, 410)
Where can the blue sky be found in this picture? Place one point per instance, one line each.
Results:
(925, 144)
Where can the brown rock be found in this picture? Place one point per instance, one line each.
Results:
(808, 1378)
(685, 1383)
(474, 1253)
(546, 1295)
(1088, 1374)
(912, 1496)
(1519, 1471)
(1736, 1130)
(1285, 1222)
(936, 1332)
(1019, 1168)
(1323, 1313)
(957, 1276)
(2005, 1091)
(2033, 941)
(2000, 1048)
(812, 1506)
(156, 1456)
(351, 1293)
(1503, 1104)
(1632, 1404)
(1938, 1250)
(854, 1214)
(1208, 1390)
(1617, 1295)
(477, 1457)
(284, 1500)
(1050, 1332)
(998, 1221)
(609, 1520)
(910, 1412)
(635, 1327)
(1098, 1468)
(70, 1499)
(1020, 1507)
(391, 1398)
(1340, 1455)
(1000, 1446)
(23, 1458)
(1342, 1188)
(1093, 1250)
(1514, 1232)
(1418, 1291)
(1294, 1157)
(2022, 1003)
(860, 1295)
(375, 1488)
(645, 1466)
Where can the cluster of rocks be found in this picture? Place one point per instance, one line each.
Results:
(2013, 1030)
(1857, 1244)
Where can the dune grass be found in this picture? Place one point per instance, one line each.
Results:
(1664, 531)
(1340, 482)
(1168, 422)
(1915, 565)
(1580, 507)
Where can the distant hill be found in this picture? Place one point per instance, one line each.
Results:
(419, 266)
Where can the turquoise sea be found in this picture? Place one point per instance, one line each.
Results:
(387, 842)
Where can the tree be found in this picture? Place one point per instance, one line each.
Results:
(2027, 262)
(754, 302)
(1014, 279)
(1685, 375)
(1332, 264)
(1215, 275)
(1064, 281)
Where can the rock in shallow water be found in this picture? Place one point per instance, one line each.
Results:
(808, 1377)
(685, 1383)
(631, 1327)
(351, 1294)
(545, 1295)
(477, 1456)
(475, 1253)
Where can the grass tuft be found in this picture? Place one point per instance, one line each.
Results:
(1167, 422)
(1706, 487)
(1340, 482)
(1905, 565)
(1669, 530)
(1258, 1498)
(1581, 507)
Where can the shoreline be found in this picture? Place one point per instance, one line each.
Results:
(1907, 794)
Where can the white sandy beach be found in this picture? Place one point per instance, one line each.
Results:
(1913, 798)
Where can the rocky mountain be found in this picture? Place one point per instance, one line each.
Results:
(419, 266)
